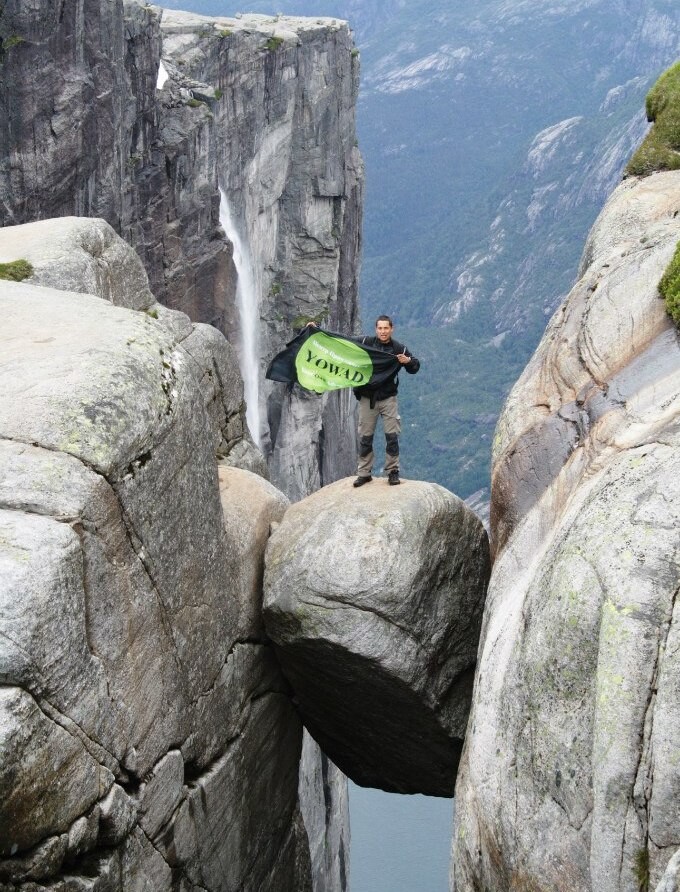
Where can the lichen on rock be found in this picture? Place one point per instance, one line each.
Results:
(142, 711)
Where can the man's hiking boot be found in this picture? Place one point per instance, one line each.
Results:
(393, 478)
(361, 480)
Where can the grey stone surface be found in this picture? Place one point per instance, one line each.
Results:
(77, 254)
(670, 882)
(161, 793)
(570, 774)
(47, 778)
(324, 805)
(374, 598)
(250, 506)
(221, 849)
(78, 97)
(147, 734)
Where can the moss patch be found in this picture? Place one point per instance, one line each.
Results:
(660, 150)
(273, 43)
(16, 271)
(642, 869)
(7, 43)
(301, 321)
(669, 287)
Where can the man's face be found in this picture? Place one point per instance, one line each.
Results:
(383, 331)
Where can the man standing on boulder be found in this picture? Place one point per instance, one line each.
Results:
(381, 401)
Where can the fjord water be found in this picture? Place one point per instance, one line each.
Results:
(399, 843)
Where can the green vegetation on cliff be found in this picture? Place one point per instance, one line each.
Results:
(16, 270)
(660, 149)
(669, 286)
(642, 869)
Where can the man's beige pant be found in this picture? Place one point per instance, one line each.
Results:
(388, 410)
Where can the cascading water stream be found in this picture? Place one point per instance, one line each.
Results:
(249, 316)
(162, 76)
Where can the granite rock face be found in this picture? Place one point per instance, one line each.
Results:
(284, 130)
(79, 254)
(570, 775)
(147, 737)
(87, 133)
(373, 598)
(78, 105)
(85, 255)
(324, 804)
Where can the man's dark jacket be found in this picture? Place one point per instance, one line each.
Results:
(391, 385)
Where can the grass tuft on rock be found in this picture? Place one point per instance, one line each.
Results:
(660, 149)
(669, 287)
(301, 321)
(273, 43)
(642, 869)
(16, 270)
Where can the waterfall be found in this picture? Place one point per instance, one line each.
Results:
(248, 313)
(162, 76)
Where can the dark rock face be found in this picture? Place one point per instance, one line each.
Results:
(374, 599)
(86, 135)
(65, 101)
(285, 140)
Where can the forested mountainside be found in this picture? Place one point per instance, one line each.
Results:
(492, 133)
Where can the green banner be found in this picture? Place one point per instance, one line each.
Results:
(329, 363)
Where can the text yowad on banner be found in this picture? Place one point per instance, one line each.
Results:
(321, 360)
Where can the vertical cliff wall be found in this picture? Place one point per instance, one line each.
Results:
(570, 776)
(82, 135)
(77, 101)
(283, 93)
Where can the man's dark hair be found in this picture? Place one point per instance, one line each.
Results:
(384, 319)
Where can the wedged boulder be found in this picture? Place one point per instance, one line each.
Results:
(373, 598)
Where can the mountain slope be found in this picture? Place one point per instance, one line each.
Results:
(492, 133)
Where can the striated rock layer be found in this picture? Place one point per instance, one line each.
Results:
(88, 134)
(147, 737)
(570, 776)
(374, 599)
